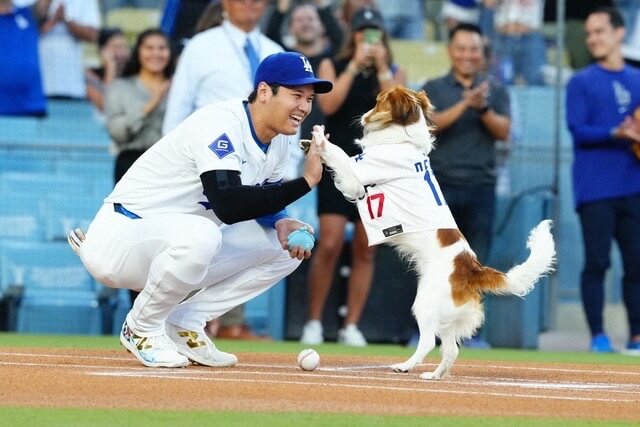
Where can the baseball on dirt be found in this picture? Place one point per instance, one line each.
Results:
(308, 359)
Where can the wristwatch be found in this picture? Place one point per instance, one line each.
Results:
(484, 109)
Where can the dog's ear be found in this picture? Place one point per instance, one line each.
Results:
(427, 107)
(407, 105)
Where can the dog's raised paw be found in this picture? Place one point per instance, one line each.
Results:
(401, 367)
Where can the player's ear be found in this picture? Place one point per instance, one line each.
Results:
(263, 90)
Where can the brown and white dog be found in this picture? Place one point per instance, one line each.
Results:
(401, 204)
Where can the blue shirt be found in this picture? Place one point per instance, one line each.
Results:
(597, 101)
(21, 91)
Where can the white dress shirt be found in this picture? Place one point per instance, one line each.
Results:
(61, 55)
(213, 67)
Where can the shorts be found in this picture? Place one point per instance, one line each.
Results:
(331, 201)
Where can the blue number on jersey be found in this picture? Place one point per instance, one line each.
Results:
(425, 167)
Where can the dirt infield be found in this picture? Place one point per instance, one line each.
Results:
(273, 382)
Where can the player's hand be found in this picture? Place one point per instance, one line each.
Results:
(286, 226)
(313, 163)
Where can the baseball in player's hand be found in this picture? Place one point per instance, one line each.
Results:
(286, 226)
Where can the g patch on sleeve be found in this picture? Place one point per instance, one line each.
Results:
(222, 146)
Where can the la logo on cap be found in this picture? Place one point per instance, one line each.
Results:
(306, 64)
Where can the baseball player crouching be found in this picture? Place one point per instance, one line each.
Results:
(198, 224)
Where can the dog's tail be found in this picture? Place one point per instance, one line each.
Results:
(521, 278)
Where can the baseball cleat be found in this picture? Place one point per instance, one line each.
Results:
(155, 352)
(198, 347)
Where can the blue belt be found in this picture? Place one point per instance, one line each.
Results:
(121, 209)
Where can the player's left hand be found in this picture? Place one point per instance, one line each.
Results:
(286, 226)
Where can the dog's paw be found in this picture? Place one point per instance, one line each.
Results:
(430, 376)
(402, 367)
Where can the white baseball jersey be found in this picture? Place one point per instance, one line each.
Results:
(166, 178)
(402, 194)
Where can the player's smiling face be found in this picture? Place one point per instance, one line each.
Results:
(289, 107)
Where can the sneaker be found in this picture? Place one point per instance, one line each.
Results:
(155, 352)
(600, 344)
(198, 347)
(312, 333)
(633, 348)
(350, 335)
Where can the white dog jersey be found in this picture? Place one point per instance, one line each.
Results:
(401, 192)
(165, 179)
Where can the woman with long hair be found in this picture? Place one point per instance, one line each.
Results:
(136, 102)
(362, 70)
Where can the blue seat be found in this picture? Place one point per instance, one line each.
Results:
(20, 216)
(120, 307)
(44, 183)
(58, 294)
(66, 212)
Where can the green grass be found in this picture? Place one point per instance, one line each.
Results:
(23, 417)
(30, 417)
(515, 355)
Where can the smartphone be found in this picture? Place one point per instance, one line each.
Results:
(372, 35)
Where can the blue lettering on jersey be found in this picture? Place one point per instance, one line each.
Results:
(359, 157)
(222, 146)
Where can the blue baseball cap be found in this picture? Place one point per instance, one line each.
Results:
(289, 69)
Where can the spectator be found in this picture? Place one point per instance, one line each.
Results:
(362, 70)
(315, 32)
(472, 113)
(349, 8)
(109, 5)
(575, 14)
(180, 19)
(65, 25)
(135, 104)
(114, 54)
(202, 78)
(211, 17)
(600, 103)
(21, 91)
(520, 48)
(403, 19)
(455, 12)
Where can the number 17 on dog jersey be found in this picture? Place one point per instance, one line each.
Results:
(402, 194)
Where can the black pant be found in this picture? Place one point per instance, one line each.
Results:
(602, 221)
(124, 161)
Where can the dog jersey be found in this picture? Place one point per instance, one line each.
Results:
(166, 178)
(401, 192)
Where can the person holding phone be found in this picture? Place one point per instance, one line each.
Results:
(362, 70)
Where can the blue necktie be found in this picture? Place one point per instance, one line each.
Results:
(252, 56)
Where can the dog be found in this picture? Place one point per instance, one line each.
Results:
(401, 204)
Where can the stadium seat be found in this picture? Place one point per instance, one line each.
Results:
(20, 216)
(40, 184)
(133, 20)
(421, 60)
(64, 213)
(58, 294)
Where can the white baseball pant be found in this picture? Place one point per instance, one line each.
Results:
(170, 256)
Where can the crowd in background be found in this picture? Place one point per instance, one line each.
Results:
(143, 88)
